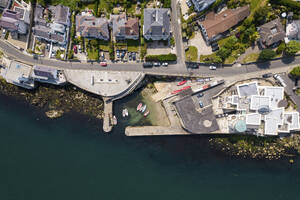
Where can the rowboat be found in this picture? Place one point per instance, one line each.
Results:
(182, 83)
(115, 120)
(146, 113)
(139, 107)
(125, 112)
(143, 108)
(177, 91)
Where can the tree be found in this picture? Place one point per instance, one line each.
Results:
(223, 53)
(295, 72)
(230, 43)
(280, 48)
(292, 48)
(266, 54)
(260, 15)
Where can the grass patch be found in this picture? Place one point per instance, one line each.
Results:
(93, 54)
(223, 41)
(192, 53)
(229, 60)
(133, 45)
(104, 45)
(252, 57)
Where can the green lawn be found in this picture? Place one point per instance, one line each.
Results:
(104, 45)
(229, 60)
(93, 54)
(192, 54)
(133, 45)
(252, 57)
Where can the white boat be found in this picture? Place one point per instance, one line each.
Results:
(146, 113)
(125, 112)
(143, 108)
(139, 107)
(115, 120)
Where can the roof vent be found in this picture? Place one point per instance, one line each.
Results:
(225, 15)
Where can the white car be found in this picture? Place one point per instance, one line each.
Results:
(165, 64)
(212, 67)
(156, 64)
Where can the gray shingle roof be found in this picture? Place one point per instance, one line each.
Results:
(156, 21)
(271, 32)
(60, 14)
(90, 26)
(10, 21)
(4, 3)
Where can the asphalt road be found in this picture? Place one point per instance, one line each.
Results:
(175, 69)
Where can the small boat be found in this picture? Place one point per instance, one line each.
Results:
(115, 120)
(124, 112)
(182, 83)
(143, 108)
(185, 88)
(139, 107)
(146, 113)
(177, 91)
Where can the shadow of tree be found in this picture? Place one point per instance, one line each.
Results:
(288, 60)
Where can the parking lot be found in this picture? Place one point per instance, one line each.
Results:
(125, 56)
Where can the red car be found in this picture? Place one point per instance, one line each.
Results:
(75, 49)
(103, 64)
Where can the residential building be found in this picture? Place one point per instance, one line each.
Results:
(4, 4)
(11, 21)
(216, 24)
(124, 28)
(24, 9)
(48, 75)
(293, 30)
(52, 24)
(92, 27)
(201, 5)
(271, 33)
(156, 23)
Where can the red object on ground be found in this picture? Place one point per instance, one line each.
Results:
(186, 87)
(177, 91)
(75, 49)
(181, 83)
(206, 86)
(103, 64)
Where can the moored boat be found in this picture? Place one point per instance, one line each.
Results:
(146, 113)
(115, 120)
(182, 83)
(139, 107)
(143, 108)
(124, 112)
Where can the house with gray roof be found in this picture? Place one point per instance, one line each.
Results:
(124, 28)
(52, 24)
(4, 4)
(293, 30)
(11, 21)
(201, 5)
(92, 27)
(156, 23)
(271, 33)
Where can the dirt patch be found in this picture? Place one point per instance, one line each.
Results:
(201, 45)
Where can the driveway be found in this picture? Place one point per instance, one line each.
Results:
(290, 84)
(184, 7)
(201, 45)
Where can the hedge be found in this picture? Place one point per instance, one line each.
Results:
(162, 58)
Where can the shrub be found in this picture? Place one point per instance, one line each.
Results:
(280, 48)
(292, 48)
(162, 58)
(295, 71)
(266, 54)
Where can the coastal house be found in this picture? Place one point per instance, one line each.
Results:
(11, 21)
(4, 4)
(92, 27)
(271, 33)
(201, 5)
(52, 24)
(48, 75)
(216, 24)
(24, 9)
(124, 28)
(18, 74)
(156, 24)
(293, 30)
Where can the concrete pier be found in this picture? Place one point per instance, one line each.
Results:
(153, 130)
(108, 116)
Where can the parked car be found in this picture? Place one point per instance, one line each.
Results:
(281, 81)
(200, 95)
(133, 56)
(212, 67)
(79, 49)
(165, 64)
(103, 64)
(118, 54)
(147, 64)
(156, 64)
(268, 75)
(129, 56)
(75, 49)
(200, 104)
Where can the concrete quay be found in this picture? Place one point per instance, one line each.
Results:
(153, 130)
(107, 116)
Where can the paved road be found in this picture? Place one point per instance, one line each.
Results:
(176, 69)
(176, 24)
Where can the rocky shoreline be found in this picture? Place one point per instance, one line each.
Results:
(271, 148)
(56, 100)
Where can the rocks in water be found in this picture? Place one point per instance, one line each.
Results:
(52, 114)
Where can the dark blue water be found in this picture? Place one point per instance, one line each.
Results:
(70, 158)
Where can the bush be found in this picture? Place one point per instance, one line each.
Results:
(266, 54)
(162, 58)
(111, 51)
(295, 72)
(292, 48)
(280, 48)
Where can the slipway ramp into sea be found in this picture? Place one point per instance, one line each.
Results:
(110, 85)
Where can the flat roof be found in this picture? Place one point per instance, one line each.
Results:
(275, 93)
(273, 120)
(259, 102)
(247, 89)
(253, 119)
